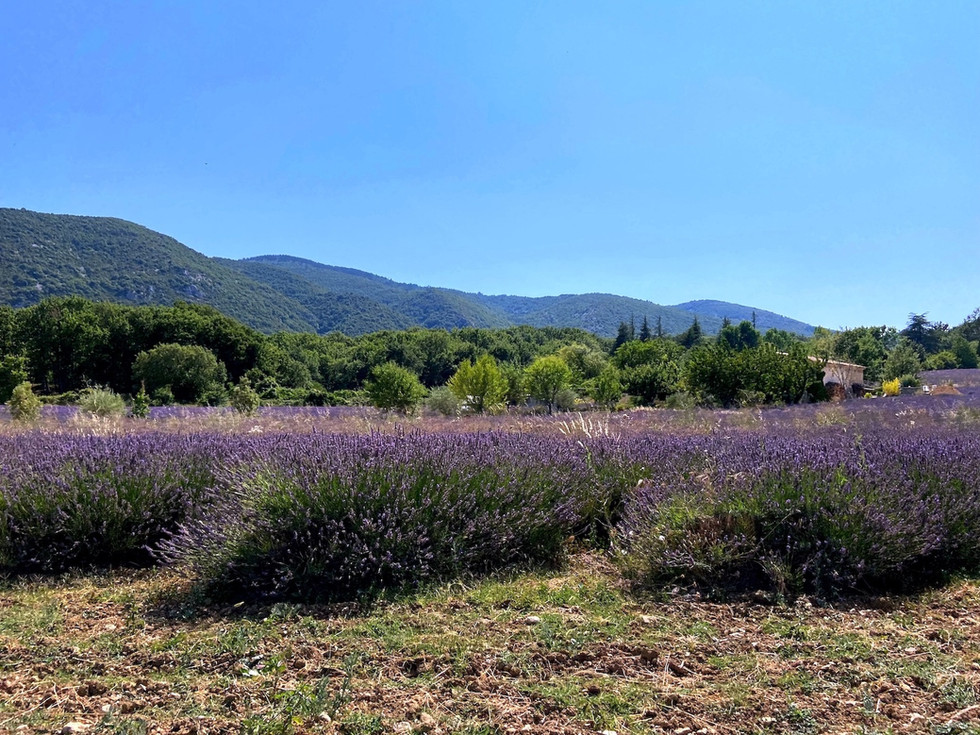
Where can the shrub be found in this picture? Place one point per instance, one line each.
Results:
(819, 514)
(566, 399)
(892, 387)
(101, 402)
(910, 380)
(681, 400)
(141, 404)
(945, 360)
(243, 398)
(72, 500)
(335, 516)
(24, 405)
(444, 401)
(163, 396)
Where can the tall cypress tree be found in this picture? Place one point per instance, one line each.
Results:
(645, 333)
(693, 336)
(623, 336)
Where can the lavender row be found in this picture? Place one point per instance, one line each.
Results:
(293, 515)
(332, 516)
(819, 513)
(70, 500)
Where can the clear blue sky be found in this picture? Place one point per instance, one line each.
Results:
(819, 159)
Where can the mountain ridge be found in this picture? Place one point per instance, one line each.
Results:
(111, 259)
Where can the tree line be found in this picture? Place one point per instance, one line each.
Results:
(191, 353)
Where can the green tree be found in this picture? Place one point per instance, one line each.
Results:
(780, 339)
(902, 361)
(714, 373)
(692, 337)
(586, 362)
(779, 377)
(741, 337)
(516, 393)
(970, 328)
(13, 372)
(929, 337)
(546, 377)
(645, 334)
(481, 386)
(649, 370)
(966, 353)
(61, 339)
(189, 371)
(606, 388)
(624, 335)
(866, 346)
(392, 387)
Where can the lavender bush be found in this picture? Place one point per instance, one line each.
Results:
(332, 516)
(69, 500)
(820, 512)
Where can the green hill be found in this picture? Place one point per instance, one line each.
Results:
(107, 259)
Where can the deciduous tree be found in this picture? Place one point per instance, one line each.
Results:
(392, 387)
(481, 386)
(546, 377)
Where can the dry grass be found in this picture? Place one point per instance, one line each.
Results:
(570, 652)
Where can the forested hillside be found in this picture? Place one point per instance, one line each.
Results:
(107, 259)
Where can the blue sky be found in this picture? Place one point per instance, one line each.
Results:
(818, 159)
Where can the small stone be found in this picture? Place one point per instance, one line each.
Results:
(648, 619)
(532, 620)
(682, 731)
(402, 727)
(74, 727)
(325, 717)
(427, 720)
(608, 732)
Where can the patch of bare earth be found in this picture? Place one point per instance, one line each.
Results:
(542, 653)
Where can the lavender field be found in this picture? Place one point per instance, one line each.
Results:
(799, 570)
(336, 503)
